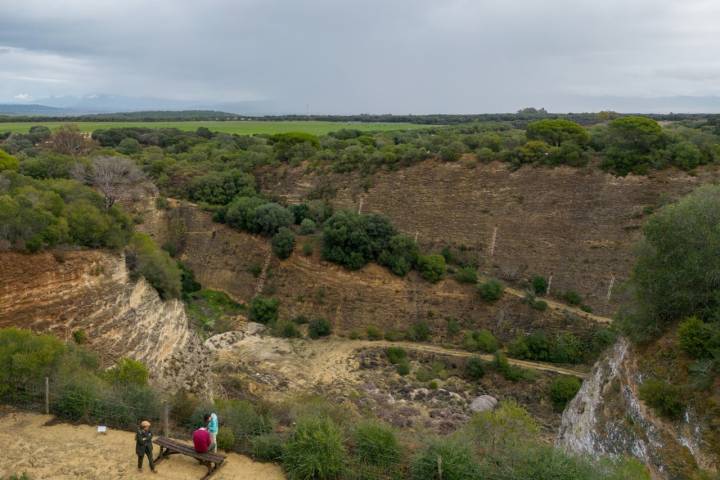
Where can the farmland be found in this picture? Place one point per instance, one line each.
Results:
(241, 127)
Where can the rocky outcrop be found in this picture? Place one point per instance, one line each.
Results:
(67, 291)
(607, 417)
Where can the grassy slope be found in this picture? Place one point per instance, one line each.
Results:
(240, 126)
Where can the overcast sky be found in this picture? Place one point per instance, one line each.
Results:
(377, 56)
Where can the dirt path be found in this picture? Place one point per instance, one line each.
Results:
(64, 452)
(337, 357)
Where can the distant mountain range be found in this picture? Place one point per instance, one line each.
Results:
(69, 105)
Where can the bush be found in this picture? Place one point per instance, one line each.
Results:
(264, 310)
(563, 389)
(453, 327)
(475, 368)
(80, 337)
(26, 358)
(539, 305)
(401, 255)
(269, 218)
(565, 348)
(268, 447)
(419, 332)
(308, 248)
(698, 339)
(283, 243)
(221, 187)
(664, 398)
(481, 340)
(403, 367)
(373, 333)
(315, 450)
(319, 327)
(395, 355)
(145, 258)
(509, 372)
(539, 285)
(432, 267)
(572, 297)
(677, 263)
(286, 329)
(307, 227)
(243, 419)
(346, 241)
(8, 162)
(128, 372)
(446, 460)
(491, 291)
(240, 213)
(375, 444)
(225, 439)
(466, 275)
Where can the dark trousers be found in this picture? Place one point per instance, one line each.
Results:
(147, 453)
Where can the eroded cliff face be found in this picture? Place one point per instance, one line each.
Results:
(64, 291)
(224, 259)
(576, 225)
(607, 417)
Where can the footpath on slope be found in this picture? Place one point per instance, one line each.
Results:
(62, 451)
(344, 349)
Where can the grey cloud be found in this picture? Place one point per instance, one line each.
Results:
(341, 56)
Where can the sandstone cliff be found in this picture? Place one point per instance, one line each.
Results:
(64, 291)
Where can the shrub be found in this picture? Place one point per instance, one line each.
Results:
(401, 255)
(664, 398)
(225, 439)
(475, 368)
(677, 263)
(453, 327)
(283, 243)
(697, 338)
(307, 226)
(376, 444)
(539, 305)
(244, 419)
(432, 267)
(269, 218)
(466, 275)
(264, 310)
(563, 389)
(480, 340)
(394, 335)
(509, 372)
(572, 297)
(419, 332)
(373, 333)
(346, 241)
(8, 162)
(319, 327)
(395, 355)
(128, 372)
(491, 291)
(403, 367)
(268, 447)
(539, 285)
(221, 187)
(240, 213)
(80, 337)
(308, 248)
(448, 460)
(315, 450)
(286, 329)
(144, 258)
(26, 358)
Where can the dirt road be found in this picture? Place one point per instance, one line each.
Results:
(64, 452)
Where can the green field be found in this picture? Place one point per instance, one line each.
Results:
(241, 127)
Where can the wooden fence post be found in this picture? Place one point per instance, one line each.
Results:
(166, 420)
(47, 396)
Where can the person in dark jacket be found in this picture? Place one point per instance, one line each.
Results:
(143, 445)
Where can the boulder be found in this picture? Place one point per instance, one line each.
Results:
(483, 403)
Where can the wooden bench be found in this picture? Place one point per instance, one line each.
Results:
(168, 447)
